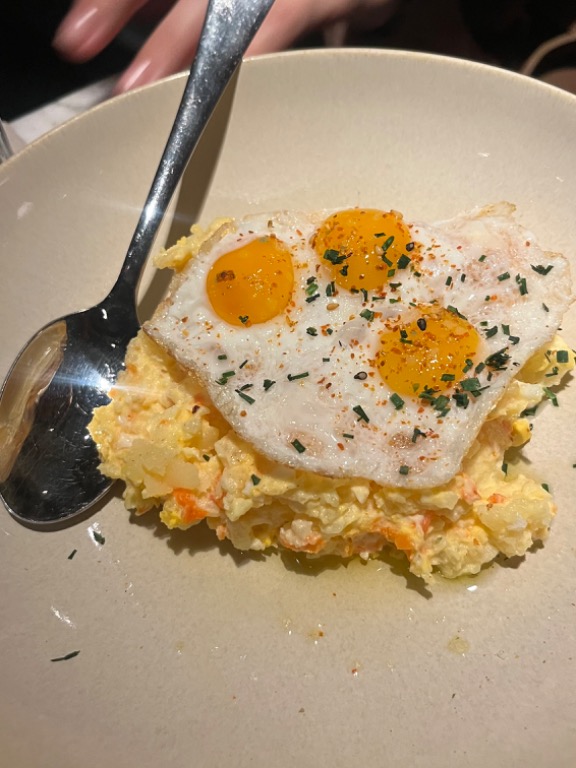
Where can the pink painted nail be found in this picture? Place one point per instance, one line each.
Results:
(76, 31)
(135, 76)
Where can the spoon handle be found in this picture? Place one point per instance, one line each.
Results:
(228, 29)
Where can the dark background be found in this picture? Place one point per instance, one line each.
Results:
(502, 32)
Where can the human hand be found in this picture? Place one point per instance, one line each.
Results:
(91, 25)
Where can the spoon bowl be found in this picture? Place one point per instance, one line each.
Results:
(48, 460)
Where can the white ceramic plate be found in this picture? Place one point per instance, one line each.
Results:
(190, 654)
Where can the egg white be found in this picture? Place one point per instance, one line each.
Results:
(319, 414)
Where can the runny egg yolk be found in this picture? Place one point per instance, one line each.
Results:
(362, 247)
(253, 283)
(431, 351)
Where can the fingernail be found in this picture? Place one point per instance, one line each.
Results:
(76, 31)
(135, 76)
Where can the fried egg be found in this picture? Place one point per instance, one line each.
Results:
(354, 343)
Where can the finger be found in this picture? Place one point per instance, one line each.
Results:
(172, 45)
(91, 24)
(170, 48)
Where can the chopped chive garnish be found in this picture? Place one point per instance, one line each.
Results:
(470, 385)
(562, 356)
(344, 270)
(98, 538)
(71, 555)
(386, 260)
(391, 272)
(361, 413)
(449, 280)
(66, 657)
(245, 387)
(551, 396)
(255, 479)
(542, 270)
(483, 257)
(387, 243)
(528, 412)
(505, 468)
(205, 457)
(417, 433)
(497, 360)
(334, 257)
(440, 403)
(461, 399)
(348, 436)
(310, 299)
(462, 278)
(243, 364)
(396, 401)
(522, 285)
(311, 331)
(331, 289)
(222, 357)
(428, 394)
(545, 308)
(325, 359)
(513, 339)
(489, 332)
(546, 487)
(479, 368)
(454, 311)
(506, 329)
(245, 397)
(403, 261)
(298, 376)
(404, 469)
(298, 445)
(268, 383)
(243, 319)
(311, 288)
(447, 377)
(468, 365)
(367, 314)
(225, 376)
(504, 276)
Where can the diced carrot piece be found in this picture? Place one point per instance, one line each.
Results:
(189, 502)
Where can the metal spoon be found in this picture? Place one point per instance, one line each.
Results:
(48, 461)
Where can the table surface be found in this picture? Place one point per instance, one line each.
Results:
(31, 126)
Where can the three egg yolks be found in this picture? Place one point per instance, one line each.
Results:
(361, 249)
